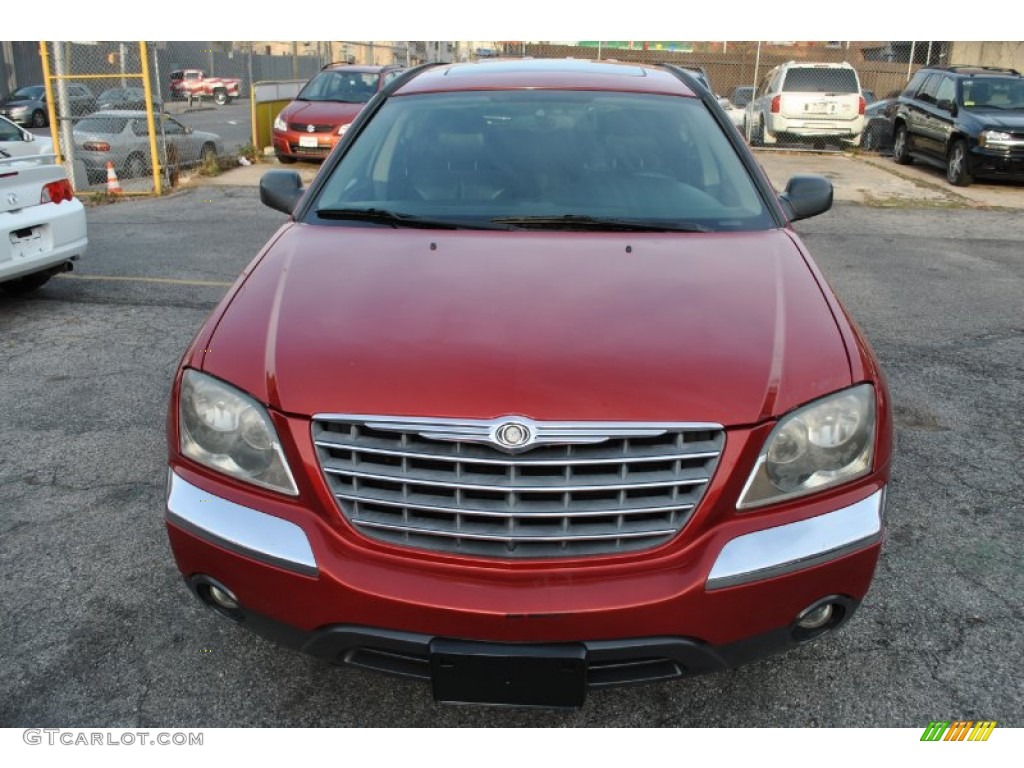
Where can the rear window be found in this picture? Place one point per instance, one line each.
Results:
(102, 124)
(475, 158)
(821, 80)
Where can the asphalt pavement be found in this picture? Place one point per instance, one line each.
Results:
(99, 630)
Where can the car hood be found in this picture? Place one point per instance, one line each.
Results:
(993, 118)
(321, 112)
(19, 103)
(727, 328)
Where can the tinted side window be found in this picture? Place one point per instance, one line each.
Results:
(9, 132)
(946, 91)
(928, 91)
(915, 84)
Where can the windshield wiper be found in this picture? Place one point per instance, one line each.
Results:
(394, 218)
(573, 221)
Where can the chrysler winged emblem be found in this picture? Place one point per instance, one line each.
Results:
(512, 434)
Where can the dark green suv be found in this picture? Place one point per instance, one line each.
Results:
(968, 120)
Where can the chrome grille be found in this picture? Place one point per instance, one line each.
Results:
(317, 127)
(578, 489)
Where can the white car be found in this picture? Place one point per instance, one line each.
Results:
(806, 100)
(42, 223)
(15, 141)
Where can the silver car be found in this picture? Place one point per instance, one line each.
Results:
(121, 137)
(17, 142)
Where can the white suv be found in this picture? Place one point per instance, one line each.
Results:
(806, 100)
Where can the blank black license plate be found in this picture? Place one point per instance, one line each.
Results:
(466, 672)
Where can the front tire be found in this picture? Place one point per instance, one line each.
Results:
(956, 165)
(901, 146)
(285, 160)
(39, 119)
(869, 141)
(221, 98)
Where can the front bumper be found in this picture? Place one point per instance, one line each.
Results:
(735, 599)
(996, 163)
(289, 144)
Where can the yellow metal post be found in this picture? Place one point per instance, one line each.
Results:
(252, 115)
(50, 103)
(150, 122)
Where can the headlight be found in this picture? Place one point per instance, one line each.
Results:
(226, 430)
(991, 138)
(343, 128)
(821, 445)
(279, 124)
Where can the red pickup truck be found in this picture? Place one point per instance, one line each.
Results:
(193, 83)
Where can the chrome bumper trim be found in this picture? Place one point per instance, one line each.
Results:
(774, 551)
(245, 531)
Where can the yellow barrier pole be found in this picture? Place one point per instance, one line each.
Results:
(50, 108)
(252, 116)
(150, 123)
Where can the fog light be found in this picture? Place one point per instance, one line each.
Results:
(816, 617)
(222, 599)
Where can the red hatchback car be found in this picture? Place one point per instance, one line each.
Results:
(309, 127)
(536, 391)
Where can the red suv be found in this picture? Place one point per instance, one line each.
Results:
(536, 391)
(309, 127)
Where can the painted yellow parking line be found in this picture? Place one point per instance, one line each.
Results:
(131, 279)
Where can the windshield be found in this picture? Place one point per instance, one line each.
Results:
(821, 80)
(525, 157)
(993, 93)
(31, 93)
(348, 87)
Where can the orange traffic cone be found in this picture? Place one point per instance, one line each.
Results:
(113, 185)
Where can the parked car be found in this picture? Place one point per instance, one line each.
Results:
(125, 98)
(121, 137)
(42, 224)
(807, 100)
(309, 127)
(869, 96)
(741, 95)
(878, 127)
(536, 390)
(27, 106)
(17, 142)
(968, 120)
(194, 84)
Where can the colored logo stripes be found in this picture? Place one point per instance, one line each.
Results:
(961, 730)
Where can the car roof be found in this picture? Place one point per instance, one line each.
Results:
(375, 69)
(970, 70)
(546, 73)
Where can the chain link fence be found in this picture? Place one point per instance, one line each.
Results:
(151, 115)
(783, 94)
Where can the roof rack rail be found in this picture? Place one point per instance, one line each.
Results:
(969, 68)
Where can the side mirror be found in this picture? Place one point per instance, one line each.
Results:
(281, 190)
(806, 196)
(28, 136)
